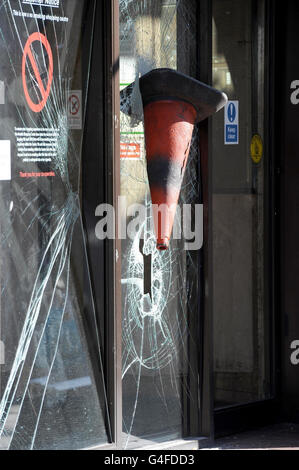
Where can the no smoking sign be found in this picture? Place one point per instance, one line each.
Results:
(74, 104)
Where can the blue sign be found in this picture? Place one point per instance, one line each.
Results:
(231, 112)
(231, 133)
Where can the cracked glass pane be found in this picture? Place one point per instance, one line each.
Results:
(159, 289)
(48, 388)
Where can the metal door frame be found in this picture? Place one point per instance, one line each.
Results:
(204, 279)
(101, 184)
(242, 417)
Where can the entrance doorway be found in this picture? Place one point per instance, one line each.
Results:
(242, 212)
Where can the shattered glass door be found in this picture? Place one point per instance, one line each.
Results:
(159, 289)
(50, 395)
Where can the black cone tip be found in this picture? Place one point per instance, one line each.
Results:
(162, 84)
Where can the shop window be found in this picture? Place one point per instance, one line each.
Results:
(50, 395)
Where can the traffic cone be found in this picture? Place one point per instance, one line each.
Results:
(173, 103)
(169, 127)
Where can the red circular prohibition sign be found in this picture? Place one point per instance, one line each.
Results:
(37, 108)
(74, 105)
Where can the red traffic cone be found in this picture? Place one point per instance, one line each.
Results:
(169, 127)
(172, 103)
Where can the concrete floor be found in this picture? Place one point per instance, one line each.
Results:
(279, 437)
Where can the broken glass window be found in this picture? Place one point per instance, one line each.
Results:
(50, 395)
(159, 289)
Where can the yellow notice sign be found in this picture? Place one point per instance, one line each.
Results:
(256, 149)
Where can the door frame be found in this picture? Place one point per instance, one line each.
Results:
(205, 334)
(238, 418)
(101, 184)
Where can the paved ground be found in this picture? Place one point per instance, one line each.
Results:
(278, 437)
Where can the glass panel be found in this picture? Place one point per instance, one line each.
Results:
(241, 327)
(49, 392)
(160, 290)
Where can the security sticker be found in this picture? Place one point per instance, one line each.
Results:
(256, 149)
